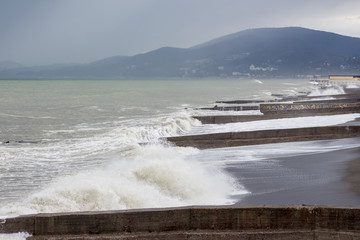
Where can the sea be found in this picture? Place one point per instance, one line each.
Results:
(86, 145)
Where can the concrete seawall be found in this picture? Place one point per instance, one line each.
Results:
(221, 119)
(319, 107)
(231, 139)
(300, 99)
(232, 108)
(220, 222)
(286, 110)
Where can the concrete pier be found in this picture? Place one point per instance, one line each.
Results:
(232, 139)
(217, 222)
(245, 101)
(302, 106)
(232, 108)
(221, 119)
(289, 110)
(349, 100)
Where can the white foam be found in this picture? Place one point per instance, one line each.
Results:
(276, 124)
(216, 113)
(243, 154)
(23, 116)
(95, 108)
(266, 92)
(334, 90)
(156, 176)
(15, 236)
(290, 84)
(126, 134)
(52, 159)
(320, 98)
(353, 85)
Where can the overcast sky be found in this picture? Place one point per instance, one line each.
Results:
(37, 32)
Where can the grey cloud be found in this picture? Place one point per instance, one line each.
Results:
(63, 31)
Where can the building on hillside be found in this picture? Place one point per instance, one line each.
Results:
(344, 79)
(331, 80)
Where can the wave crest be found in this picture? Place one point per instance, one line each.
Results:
(156, 176)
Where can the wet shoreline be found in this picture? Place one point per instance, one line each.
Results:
(330, 178)
(353, 173)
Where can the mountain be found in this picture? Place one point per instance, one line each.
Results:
(6, 65)
(264, 52)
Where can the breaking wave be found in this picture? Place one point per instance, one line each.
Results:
(15, 236)
(156, 176)
(334, 90)
(113, 170)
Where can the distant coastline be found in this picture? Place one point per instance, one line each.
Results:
(254, 53)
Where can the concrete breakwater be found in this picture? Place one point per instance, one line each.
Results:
(347, 106)
(318, 107)
(287, 110)
(220, 222)
(341, 103)
(232, 108)
(231, 139)
(221, 119)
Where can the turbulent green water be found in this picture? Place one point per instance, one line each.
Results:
(30, 109)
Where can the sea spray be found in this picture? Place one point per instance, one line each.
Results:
(121, 136)
(54, 157)
(334, 90)
(88, 154)
(15, 236)
(284, 123)
(157, 176)
(353, 85)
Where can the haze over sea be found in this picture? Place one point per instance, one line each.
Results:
(79, 145)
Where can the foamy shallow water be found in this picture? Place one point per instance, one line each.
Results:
(242, 154)
(157, 176)
(284, 123)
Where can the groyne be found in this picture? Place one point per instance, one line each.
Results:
(288, 110)
(221, 119)
(232, 139)
(217, 222)
(319, 107)
(347, 106)
(232, 108)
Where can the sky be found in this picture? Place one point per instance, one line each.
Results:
(42, 32)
